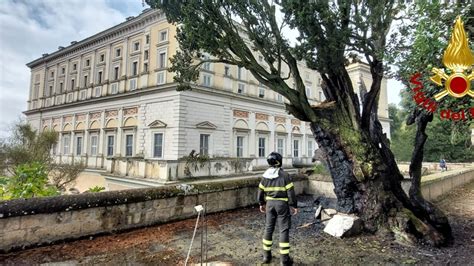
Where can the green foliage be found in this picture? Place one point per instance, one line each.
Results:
(445, 139)
(96, 189)
(320, 169)
(28, 149)
(194, 162)
(29, 180)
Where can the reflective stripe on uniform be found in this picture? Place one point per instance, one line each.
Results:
(270, 198)
(261, 186)
(290, 185)
(267, 242)
(267, 247)
(284, 251)
(274, 189)
(284, 245)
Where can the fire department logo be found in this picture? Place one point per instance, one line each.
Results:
(458, 59)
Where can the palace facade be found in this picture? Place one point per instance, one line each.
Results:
(115, 107)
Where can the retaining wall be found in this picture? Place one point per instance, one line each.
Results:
(432, 186)
(28, 222)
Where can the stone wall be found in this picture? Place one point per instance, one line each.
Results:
(172, 170)
(432, 186)
(29, 222)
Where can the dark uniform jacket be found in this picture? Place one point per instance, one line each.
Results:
(276, 184)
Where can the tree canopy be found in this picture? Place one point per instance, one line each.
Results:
(362, 166)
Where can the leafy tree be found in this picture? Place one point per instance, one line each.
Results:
(425, 40)
(364, 171)
(446, 139)
(29, 180)
(26, 156)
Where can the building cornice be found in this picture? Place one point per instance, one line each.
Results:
(147, 16)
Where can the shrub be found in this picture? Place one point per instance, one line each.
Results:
(29, 180)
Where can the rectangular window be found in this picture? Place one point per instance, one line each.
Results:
(116, 73)
(241, 88)
(206, 80)
(128, 145)
(310, 148)
(145, 67)
(239, 73)
(160, 79)
(78, 145)
(110, 145)
(308, 92)
(74, 67)
(97, 92)
(136, 46)
(118, 52)
(99, 77)
(207, 65)
(85, 81)
(261, 147)
(63, 70)
(61, 87)
(296, 148)
(69, 97)
(261, 92)
(102, 57)
(52, 74)
(162, 60)
(72, 84)
(147, 39)
(163, 35)
(94, 140)
(158, 145)
(280, 146)
(66, 143)
(226, 71)
(114, 88)
(134, 68)
(145, 56)
(88, 62)
(48, 92)
(240, 146)
(204, 144)
(133, 84)
(320, 96)
(279, 98)
(83, 95)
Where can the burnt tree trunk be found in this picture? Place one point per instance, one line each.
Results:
(366, 177)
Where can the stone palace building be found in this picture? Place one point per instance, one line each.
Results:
(115, 107)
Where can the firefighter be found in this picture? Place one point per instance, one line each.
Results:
(276, 194)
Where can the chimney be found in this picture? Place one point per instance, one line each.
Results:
(129, 18)
(60, 47)
(73, 42)
(45, 54)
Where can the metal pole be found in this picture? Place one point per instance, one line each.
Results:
(202, 235)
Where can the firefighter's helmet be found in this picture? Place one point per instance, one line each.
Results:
(275, 159)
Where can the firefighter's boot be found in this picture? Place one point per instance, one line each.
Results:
(267, 257)
(286, 260)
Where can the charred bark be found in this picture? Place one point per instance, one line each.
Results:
(431, 214)
(368, 183)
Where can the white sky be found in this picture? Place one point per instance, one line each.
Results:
(29, 28)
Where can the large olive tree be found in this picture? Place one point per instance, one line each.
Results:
(364, 171)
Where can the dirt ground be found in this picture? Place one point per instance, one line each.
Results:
(235, 237)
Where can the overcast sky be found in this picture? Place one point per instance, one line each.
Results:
(29, 28)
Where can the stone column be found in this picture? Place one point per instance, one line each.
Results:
(252, 137)
(118, 139)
